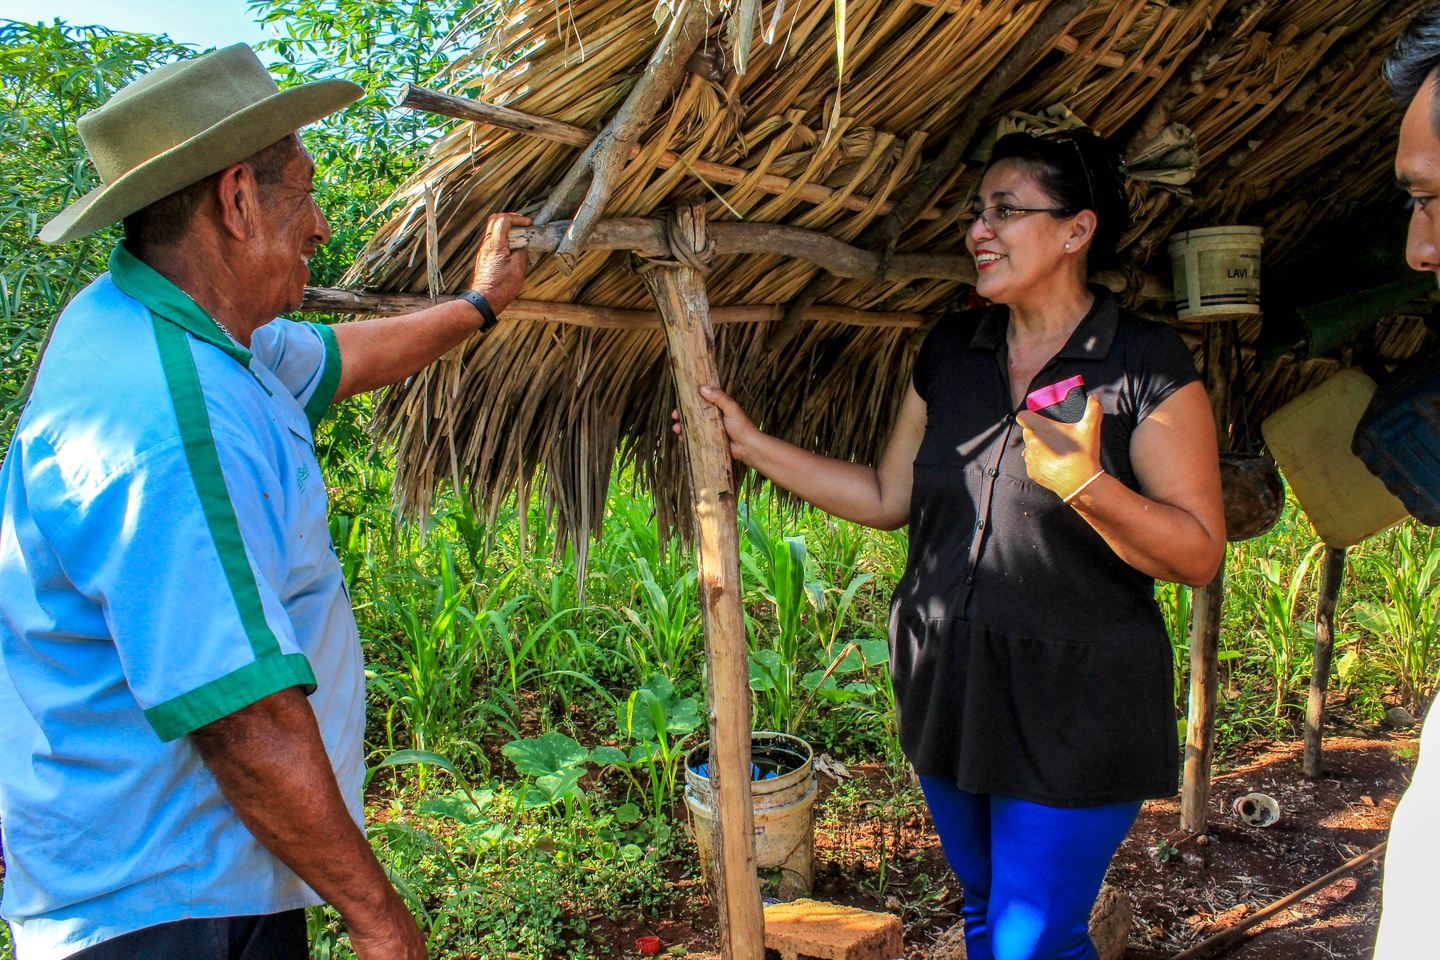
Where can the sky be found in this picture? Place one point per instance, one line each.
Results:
(205, 23)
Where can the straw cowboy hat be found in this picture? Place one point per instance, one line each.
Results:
(181, 123)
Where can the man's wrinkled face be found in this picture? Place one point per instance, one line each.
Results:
(292, 228)
(1417, 172)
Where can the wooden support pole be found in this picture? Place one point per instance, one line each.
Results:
(1219, 369)
(1324, 646)
(679, 291)
(1204, 686)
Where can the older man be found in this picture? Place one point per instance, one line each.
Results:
(181, 687)
(1409, 922)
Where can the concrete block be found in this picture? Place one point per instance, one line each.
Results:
(811, 930)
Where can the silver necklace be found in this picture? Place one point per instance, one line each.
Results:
(226, 329)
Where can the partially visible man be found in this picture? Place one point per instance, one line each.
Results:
(1409, 920)
(181, 687)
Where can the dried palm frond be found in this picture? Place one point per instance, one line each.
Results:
(1292, 96)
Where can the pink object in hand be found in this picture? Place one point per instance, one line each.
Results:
(1063, 401)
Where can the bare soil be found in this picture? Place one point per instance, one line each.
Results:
(875, 848)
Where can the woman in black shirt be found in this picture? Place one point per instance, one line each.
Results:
(1030, 662)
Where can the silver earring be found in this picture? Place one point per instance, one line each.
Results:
(1067, 246)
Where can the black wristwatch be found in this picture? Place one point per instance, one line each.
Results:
(477, 300)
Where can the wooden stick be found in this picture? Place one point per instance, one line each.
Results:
(331, 300)
(679, 292)
(1226, 936)
(1324, 645)
(1219, 369)
(603, 162)
(447, 105)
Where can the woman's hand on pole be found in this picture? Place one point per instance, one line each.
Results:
(1062, 457)
(738, 427)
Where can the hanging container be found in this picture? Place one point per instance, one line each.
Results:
(1310, 440)
(782, 791)
(1216, 272)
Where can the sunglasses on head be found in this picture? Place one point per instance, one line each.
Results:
(1062, 136)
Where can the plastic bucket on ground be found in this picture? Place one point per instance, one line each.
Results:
(783, 798)
(1216, 272)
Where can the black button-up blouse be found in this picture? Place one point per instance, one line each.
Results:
(1028, 658)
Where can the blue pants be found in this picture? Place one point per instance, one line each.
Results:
(1030, 873)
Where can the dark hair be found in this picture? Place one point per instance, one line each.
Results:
(1079, 170)
(166, 221)
(1415, 57)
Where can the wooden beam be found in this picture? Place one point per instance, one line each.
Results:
(460, 108)
(1219, 367)
(596, 172)
(331, 300)
(646, 236)
(679, 292)
(1324, 646)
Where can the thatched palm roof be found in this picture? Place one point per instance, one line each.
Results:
(1293, 129)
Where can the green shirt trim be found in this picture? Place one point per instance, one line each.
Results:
(139, 280)
(324, 395)
(183, 381)
(224, 695)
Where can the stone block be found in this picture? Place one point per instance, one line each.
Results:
(812, 930)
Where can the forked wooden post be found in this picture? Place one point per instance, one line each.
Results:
(1324, 645)
(678, 287)
(1219, 371)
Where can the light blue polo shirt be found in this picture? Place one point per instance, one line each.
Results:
(164, 561)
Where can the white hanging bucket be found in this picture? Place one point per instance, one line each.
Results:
(1216, 272)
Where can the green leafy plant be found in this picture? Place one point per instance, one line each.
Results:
(1407, 622)
(653, 723)
(54, 72)
(554, 763)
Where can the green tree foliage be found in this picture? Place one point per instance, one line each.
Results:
(53, 73)
(364, 152)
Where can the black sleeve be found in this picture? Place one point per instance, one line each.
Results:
(1166, 365)
(924, 368)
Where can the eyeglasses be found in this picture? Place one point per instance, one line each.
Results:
(995, 217)
(1060, 136)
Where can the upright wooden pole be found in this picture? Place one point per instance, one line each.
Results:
(678, 287)
(1324, 645)
(1219, 369)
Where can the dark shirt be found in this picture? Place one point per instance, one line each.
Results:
(1028, 658)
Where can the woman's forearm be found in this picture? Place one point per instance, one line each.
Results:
(1160, 540)
(851, 491)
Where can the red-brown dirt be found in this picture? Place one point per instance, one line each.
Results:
(876, 852)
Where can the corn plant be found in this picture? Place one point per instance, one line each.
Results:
(1286, 645)
(1406, 625)
(779, 569)
(431, 692)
